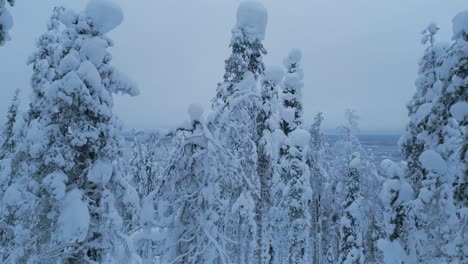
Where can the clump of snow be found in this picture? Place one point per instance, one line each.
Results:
(460, 24)
(385, 165)
(432, 161)
(94, 50)
(459, 111)
(299, 137)
(105, 14)
(423, 111)
(6, 20)
(74, 218)
(12, 196)
(294, 57)
(90, 74)
(69, 63)
(100, 172)
(273, 74)
(68, 17)
(355, 163)
(393, 252)
(252, 17)
(195, 112)
(55, 184)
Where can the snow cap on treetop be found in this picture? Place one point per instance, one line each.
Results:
(299, 137)
(294, 56)
(252, 17)
(273, 74)
(460, 24)
(195, 112)
(105, 14)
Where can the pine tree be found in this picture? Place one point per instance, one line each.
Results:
(8, 143)
(317, 162)
(427, 90)
(400, 242)
(72, 137)
(268, 153)
(6, 21)
(190, 201)
(294, 173)
(247, 50)
(347, 164)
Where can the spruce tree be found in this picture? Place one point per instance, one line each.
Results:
(8, 138)
(71, 143)
(190, 202)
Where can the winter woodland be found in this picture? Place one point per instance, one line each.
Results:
(247, 182)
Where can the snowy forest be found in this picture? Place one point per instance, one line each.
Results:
(246, 181)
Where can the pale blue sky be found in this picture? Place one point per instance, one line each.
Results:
(359, 54)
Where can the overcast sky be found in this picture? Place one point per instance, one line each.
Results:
(356, 54)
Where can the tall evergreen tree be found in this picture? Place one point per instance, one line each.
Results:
(190, 201)
(72, 138)
(8, 139)
(294, 171)
(247, 50)
(268, 153)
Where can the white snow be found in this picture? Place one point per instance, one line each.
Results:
(74, 218)
(68, 17)
(423, 111)
(90, 74)
(12, 196)
(432, 161)
(393, 252)
(55, 184)
(460, 23)
(69, 63)
(105, 14)
(100, 172)
(294, 56)
(273, 74)
(299, 137)
(6, 19)
(459, 111)
(252, 17)
(195, 112)
(94, 50)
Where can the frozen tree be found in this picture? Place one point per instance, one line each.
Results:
(190, 205)
(247, 49)
(291, 116)
(294, 195)
(399, 246)
(6, 21)
(8, 138)
(317, 162)
(427, 90)
(143, 165)
(79, 198)
(268, 151)
(347, 177)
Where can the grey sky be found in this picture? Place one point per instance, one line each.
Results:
(356, 54)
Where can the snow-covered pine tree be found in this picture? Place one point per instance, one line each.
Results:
(234, 120)
(190, 205)
(143, 166)
(8, 138)
(291, 115)
(268, 152)
(71, 140)
(346, 173)
(318, 180)
(443, 185)
(296, 195)
(6, 21)
(427, 89)
(399, 245)
(247, 49)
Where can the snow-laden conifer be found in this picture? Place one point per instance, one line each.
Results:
(6, 21)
